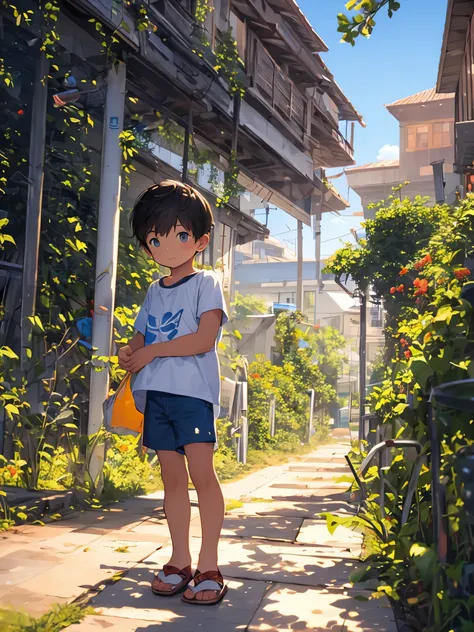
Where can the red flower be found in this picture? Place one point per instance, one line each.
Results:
(403, 271)
(462, 273)
(21, 112)
(403, 342)
(256, 376)
(422, 285)
(393, 290)
(423, 262)
(407, 354)
(12, 470)
(401, 288)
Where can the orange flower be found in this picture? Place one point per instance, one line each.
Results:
(256, 376)
(393, 290)
(403, 342)
(427, 337)
(401, 288)
(407, 354)
(403, 271)
(462, 273)
(423, 262)
(123, 447)
(422, 285)
(12, 470)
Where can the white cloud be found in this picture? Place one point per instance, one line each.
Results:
(389, 152)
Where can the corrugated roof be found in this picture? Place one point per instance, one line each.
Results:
(381, 164)
(421, 97)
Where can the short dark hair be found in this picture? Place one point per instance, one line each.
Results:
(159, 208)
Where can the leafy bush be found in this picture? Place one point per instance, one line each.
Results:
(430, 341)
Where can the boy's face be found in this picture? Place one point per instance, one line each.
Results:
(176, 248)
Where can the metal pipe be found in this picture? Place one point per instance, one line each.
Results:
(187, 133)
(107, 240)
(362, 362)
(35, 201)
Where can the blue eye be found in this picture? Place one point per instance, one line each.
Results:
(183, 237)
(155, 242)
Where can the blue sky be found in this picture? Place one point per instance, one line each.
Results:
(400, 59)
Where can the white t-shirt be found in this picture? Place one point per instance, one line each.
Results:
(169, 312)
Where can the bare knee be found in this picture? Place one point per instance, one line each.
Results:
(173, 472)
(204, 479)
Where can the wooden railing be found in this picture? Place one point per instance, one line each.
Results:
(276, 87)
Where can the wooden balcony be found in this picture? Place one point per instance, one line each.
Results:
(271, 85)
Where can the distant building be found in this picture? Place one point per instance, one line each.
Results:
(426, 135)
(275, 283)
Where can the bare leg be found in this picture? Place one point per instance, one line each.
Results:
(177, 508)
(211, 508)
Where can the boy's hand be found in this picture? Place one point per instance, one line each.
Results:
(139, 359)
(124, 355)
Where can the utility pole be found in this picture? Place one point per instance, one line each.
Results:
(35, 201)
(318, 205)
(107, 243)
(299, 275)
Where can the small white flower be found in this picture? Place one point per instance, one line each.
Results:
(196, 430)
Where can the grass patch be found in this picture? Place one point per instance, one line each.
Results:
(60, 617)
(233, 504)
(259, 500)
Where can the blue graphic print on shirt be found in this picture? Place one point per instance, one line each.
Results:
(169, 326)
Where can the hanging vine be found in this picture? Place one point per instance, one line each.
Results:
(229, 64)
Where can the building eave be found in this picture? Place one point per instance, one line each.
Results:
(458, 15)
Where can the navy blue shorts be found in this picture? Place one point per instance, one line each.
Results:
(173, 421)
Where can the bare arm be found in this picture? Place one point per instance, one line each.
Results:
(192, 344)
(137, 342)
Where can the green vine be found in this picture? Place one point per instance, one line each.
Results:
(203, 9)
(231, 187)
(229, 64)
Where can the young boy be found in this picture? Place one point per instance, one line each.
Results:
(177, 387)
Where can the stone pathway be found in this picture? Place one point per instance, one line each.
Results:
(284, 571)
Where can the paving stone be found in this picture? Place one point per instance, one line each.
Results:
(256, 527)
(287, 609)
(292, 509)
(23, 564)
(131, 598)
(267, 561)
(169, 623)
(34, 603)
(316, 532)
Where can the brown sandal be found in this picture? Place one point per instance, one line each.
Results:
(179, 579)
(211, 580)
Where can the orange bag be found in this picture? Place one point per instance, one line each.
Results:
(120, 410)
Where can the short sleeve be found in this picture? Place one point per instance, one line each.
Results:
(142, 318)
(211, 297)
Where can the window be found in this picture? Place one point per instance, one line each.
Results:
(421, 137)
(442, 134)
(429, 136)
(417, 137)
(376, 316)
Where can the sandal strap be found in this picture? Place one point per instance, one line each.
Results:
(184, 573)
(214, 576)
(206, 584)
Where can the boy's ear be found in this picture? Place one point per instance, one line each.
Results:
(202, 243)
